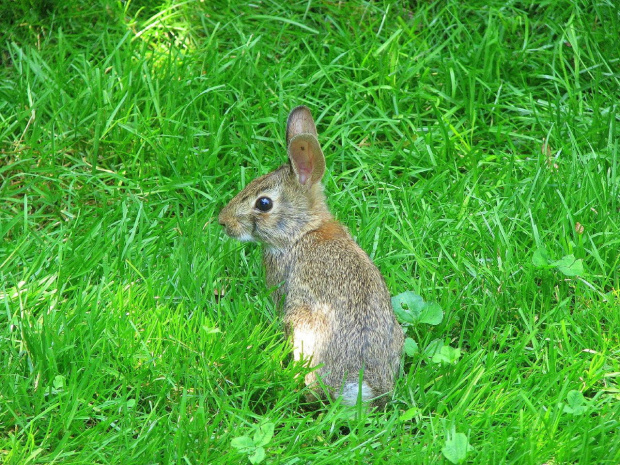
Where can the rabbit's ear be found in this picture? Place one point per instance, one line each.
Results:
(299, 122)
(304, 150)
(306, 158)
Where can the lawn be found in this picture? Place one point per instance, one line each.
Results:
(472, 149)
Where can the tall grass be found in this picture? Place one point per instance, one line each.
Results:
(461, 138)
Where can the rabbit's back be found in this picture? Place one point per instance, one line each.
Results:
(338, 311)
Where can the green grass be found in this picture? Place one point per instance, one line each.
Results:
(460, 138)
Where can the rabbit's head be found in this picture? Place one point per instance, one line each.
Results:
(276, 209)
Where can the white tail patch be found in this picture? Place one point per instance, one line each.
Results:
(350, 393)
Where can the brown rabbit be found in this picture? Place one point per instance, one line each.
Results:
(337, 308)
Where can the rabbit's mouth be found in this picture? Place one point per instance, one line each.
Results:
(245, 237)
(241, 236)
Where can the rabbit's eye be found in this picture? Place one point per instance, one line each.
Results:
(264, 204)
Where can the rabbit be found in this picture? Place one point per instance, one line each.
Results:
(336, 307)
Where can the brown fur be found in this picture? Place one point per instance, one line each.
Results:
(329, 230)
(337, 309)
